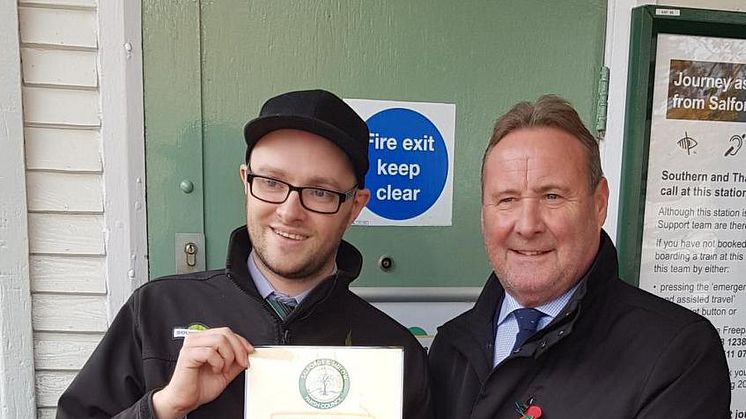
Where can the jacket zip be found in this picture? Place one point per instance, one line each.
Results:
(285, 339)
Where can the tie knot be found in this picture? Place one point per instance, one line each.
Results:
(528, 318)
(282, 304)
(284, 299)
(528, 322)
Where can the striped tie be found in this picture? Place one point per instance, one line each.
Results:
(282, 304)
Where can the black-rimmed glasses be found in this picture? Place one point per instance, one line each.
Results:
(275, 191)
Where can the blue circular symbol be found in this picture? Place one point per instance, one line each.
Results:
(408, 164)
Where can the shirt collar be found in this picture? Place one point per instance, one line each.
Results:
(265, 287)
(550, 309)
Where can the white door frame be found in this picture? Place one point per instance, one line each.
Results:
(123, 145)
(17, 395)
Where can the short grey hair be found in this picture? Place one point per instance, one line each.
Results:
(554, 112)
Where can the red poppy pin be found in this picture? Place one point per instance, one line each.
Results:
(528, 411)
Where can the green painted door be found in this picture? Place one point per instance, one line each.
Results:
(210, 64)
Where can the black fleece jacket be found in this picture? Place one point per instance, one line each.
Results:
(614, 352)
(138, 353)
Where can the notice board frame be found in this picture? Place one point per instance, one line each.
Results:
(647, 23)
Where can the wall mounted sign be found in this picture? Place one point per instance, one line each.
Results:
(694, 235)
(411, 150)
(684, 193)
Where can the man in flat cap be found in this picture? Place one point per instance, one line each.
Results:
(285, 282)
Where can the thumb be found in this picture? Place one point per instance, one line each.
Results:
(234, 370)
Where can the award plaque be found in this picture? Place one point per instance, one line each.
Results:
(337, 382)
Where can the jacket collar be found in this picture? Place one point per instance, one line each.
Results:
(603, 269)
(349, 263)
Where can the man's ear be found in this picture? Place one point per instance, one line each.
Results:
(601, 200)
(359, 201)
(242, 170)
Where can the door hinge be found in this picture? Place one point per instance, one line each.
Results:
(602, 103)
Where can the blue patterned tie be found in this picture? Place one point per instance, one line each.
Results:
(282, 304)
(528, 322)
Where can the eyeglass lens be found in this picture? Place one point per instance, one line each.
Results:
(276, 191)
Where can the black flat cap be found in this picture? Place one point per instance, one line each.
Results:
(318, 112)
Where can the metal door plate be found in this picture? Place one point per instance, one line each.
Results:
(180, 243)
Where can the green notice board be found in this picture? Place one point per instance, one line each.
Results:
(648, 24)
(684, 177)
(209, 65)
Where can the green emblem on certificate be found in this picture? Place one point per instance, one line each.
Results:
(324, 383)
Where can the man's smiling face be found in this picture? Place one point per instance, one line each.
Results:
(293, 244)
(540, 222)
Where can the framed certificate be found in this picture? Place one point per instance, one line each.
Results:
(339, 382)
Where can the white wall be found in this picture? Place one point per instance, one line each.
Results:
(80, 248)
(62, 120)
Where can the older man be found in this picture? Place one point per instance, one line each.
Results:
(285, 282)
(555, 333)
